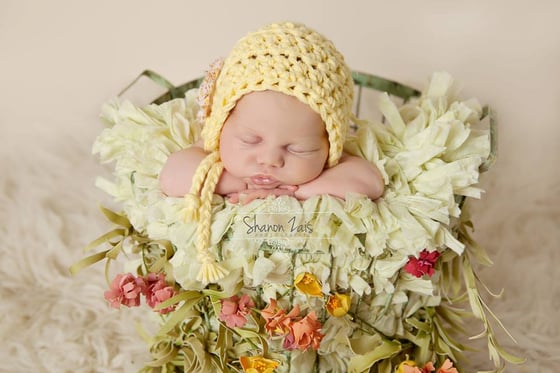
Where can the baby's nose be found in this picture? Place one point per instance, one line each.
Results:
(271, 158)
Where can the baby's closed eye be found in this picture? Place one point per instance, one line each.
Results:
(302, 150)
(250, 139)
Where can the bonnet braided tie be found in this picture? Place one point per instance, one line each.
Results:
(211, 270)
(288, 58)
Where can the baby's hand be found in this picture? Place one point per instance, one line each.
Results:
(249, 195)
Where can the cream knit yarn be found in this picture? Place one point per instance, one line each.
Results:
(286, 57)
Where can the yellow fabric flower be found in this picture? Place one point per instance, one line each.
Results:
(308, 284)
(408, 366)
(338, 304)
(258, 364)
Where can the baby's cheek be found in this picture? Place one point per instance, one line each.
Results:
(235, 160)
(300, 173)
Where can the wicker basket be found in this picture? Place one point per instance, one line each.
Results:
(177, 349)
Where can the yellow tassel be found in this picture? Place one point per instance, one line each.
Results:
(192, 207)
(211, 272)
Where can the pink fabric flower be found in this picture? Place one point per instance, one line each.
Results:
(422, 265)
(125, 289)
(447, 367)
(277, 321)
(158, 291)
(304, 333)
(235, 310)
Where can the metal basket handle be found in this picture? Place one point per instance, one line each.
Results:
(362, 80)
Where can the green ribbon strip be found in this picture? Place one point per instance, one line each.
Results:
(377, 350)
(153, 76)
(191, 298)
(384, 85)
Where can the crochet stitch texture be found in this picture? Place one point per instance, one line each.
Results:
(285, 57)
(292, 59)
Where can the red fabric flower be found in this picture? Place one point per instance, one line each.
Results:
(235, 310)
(158, 291)
(125, 289)
(422, 265)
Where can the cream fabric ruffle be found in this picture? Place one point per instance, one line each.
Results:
(429, 152)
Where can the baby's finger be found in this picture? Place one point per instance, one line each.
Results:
(251, 197)
(292, 188)
(233, 198)
(283, 192)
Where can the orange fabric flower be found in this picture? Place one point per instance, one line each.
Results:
(277, 321)
(428, 368)
(447, 367)
(308, 284)
(338, 304)
(304, 334)
(257, 364)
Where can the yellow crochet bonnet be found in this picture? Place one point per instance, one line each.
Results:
(285, 57)
(292, 59)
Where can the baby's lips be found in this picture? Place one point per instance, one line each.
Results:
(263, 180)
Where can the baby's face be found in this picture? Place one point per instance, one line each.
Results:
(272, 139)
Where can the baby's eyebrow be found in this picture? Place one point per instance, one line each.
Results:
(242, 125)
(248, 130)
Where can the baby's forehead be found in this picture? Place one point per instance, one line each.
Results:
(270, 102)
(276, 112)
(270, 96)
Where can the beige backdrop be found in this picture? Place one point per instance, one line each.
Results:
(60, 60)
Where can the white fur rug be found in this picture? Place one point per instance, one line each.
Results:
(506, 52)
(52, 322)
